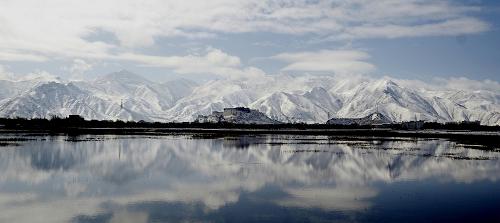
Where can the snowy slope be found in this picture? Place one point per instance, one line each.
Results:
(312, 106)
(310, 99)
(62, 100)
(98, 99)
(137, 92)
(12, 88)
(388, 98)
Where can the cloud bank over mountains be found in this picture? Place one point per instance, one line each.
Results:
(337, 62)
(123, 30)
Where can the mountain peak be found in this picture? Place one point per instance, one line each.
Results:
(303, 99)
(387, 83)
(318, 90)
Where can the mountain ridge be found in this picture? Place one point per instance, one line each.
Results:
(311, 99)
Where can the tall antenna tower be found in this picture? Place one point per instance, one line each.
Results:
(121, 104)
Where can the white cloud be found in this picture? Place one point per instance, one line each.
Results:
(34, 30)
(213, 57)
(463, 83)
(451, 83)
(332, 61)
(18, 56)
(449, 27)
(78, 68)
(214, 61)
(5, 74)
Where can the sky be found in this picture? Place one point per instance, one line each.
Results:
(204, 40)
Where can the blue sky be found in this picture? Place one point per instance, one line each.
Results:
(162, 40)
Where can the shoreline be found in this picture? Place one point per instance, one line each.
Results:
(489, 138)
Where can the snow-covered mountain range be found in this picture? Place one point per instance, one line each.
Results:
(312, 99)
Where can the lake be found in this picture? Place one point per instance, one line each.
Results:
(259, 178)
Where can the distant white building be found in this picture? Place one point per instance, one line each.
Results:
(215, 117)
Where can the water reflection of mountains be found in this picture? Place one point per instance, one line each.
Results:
(216, 172)
(394, 158)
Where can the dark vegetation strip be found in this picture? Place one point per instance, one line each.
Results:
(55, 123)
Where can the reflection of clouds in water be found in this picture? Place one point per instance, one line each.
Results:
(79, 177)
(337, 198)
(129, 217)
(38, 209)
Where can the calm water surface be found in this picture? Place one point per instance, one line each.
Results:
(245, 179)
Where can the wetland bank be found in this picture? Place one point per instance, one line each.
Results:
(245, 178)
